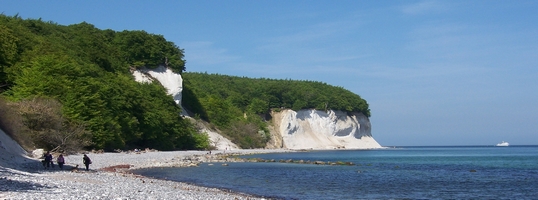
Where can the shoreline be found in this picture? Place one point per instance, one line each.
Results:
(105, 180)
(109, 177)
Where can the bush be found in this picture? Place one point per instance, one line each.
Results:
(202, 140)
(43, 120)
(246, 135)
(12, 124)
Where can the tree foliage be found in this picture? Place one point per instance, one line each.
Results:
(87, 72)
(238, 105)
(260, 95)
(49, 128)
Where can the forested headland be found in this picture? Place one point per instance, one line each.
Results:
(69, 87)
(240, 105)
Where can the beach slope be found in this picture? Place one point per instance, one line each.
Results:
(24, 177)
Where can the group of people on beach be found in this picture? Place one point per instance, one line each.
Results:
(48, 163)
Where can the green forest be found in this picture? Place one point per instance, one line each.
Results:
(68, 88)
(240, 106)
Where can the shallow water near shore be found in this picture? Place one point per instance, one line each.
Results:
(402, 172)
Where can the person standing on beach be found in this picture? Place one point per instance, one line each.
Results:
(60, 161)
(87, 161)
(48, 160)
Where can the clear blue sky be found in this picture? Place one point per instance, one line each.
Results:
(434, 72)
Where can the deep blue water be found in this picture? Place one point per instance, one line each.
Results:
(396, 173)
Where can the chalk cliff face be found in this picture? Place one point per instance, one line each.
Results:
(11, 153)
(315, 129)
(173, 82)
(304, 129)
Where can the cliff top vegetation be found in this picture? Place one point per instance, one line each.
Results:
(73, 82)
(63, 87)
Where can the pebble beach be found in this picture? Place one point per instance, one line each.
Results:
(109, 178)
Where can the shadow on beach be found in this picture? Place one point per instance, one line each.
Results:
(30, 169)
(8, 184)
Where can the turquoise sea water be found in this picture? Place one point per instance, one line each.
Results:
(397, 173)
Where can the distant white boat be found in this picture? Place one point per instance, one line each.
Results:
(502, 144)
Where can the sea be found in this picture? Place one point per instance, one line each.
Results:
(429, 172)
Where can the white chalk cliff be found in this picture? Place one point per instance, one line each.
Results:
(315, 129)
(304, 129)
(12, 155)
(173, 82)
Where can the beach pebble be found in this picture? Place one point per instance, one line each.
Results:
(31, 181)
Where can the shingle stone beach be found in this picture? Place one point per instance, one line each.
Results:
(24, 177)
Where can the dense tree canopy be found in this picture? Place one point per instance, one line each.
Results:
(260, 95)
(87, 71)
(238, 105)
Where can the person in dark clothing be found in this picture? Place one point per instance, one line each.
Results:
(60, 161)
(48, 160)
(87, 161)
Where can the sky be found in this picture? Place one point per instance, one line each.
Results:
(433, 72)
